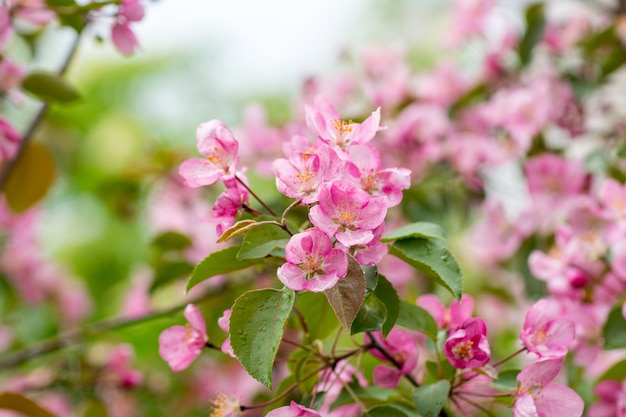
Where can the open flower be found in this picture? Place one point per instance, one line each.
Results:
(403, 348)
(312, 263)
(179, 346)
(323, 120)
(217, 143)
(348, 213)
(545, 333)
(538, 396)
(468, 346)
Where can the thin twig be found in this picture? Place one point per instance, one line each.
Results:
(74, 337)
(268, 208)
(37, 119)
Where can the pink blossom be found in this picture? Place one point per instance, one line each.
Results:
(225, 406)
(122, 36)
(467, 346)
(215, 141)
(179, 346)
(9, 140)
(372, 252)
(312, 263)
(33, 11)
(612, 400)
(545, 332)
(403, 348)
(442, 86)
(224, 323)
(387, 75)
(468, 19)
(293, 410)
(538, 396)
(348, 213)
(381, 182)
(324, 121)
(11, 76)
(304, 173)
(136, 301)
(119, 364)
(447, 317)
(229, 204)
(6, 30)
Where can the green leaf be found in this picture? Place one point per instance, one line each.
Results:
(416, 318)
(348, 294)
(617, 372)
(219, 263)
(507, 379)
(371, 277)
(535, 25)
(261, 241)
(614, 332)
(304, 366)
(370, 317)
(168, 271)
(49, 87)
(171, 241)
(256, 328)
(433, 259)
(30, 178)
(384, 411)
(237, 229)
(389, 297)
(20, 404)
(430, 399)
(60, 3)
(371, 396)
(419, 229)
(323, 322)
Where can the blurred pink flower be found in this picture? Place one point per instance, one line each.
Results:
(179, 346)
(447, 317)
(122, 36)
(403, 348)
(546, 332)
(9, 140)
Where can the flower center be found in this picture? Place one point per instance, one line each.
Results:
(463, 350)
(311, 264)
(224, 406)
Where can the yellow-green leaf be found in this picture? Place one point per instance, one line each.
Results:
(30, 178)
(237, 229)
(20, 404)
(49, 86)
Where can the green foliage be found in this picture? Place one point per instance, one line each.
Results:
(384, 411)
(30, 178)
(617, 372)
(535, 26)
(240, 228)
(424, 230)
(379, 310)
(323, 322)
(433, 259)
(371, 396)
(256, 328)
(430, 399)
(416, 318)
(49, 87)
(614, 331)
(171, 241)
(262, 241)
(348, 294)
(219, 263)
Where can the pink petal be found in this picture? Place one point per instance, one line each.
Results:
(198, 172)
(174, 350)
(557, 400)
(196, 319)
(124, 39)
(386, 377)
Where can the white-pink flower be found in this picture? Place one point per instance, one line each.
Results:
(538, 396)
(293, 410)
(179, 346)
(545, 332)
(121, 34)
(304, 173)
(348, 213)
(312, 262)
(323, 120)
(217, 143)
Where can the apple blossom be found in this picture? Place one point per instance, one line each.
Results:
(179, 346)
(450, 317)
(348, 213)
(312, 263)
(293, 410)
(538, 396)
(403, 348)
(467, 346)
(323, 120)
(545, 332)
(217, 143)
(122, 36)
